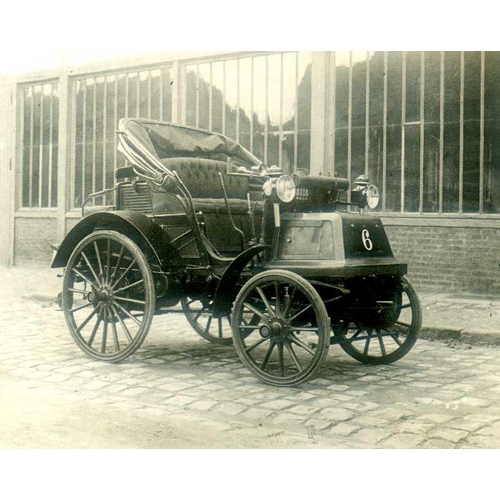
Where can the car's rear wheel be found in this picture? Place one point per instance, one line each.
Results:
(108, 296)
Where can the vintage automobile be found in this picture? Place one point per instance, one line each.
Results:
(281, 265)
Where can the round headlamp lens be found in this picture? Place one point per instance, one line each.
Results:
(372, 196)
(267, 188)
(285, 188)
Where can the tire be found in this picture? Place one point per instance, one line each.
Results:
(108, 296)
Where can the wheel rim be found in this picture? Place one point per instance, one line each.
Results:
(108, 296)
(385, 343)
(291, 337)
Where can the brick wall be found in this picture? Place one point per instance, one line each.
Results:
(449, 259)
(32, 240)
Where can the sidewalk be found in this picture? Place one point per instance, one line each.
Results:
(470, 319)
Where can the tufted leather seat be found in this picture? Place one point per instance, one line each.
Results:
(201, 177)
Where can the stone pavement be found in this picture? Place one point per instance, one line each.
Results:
(441, 395)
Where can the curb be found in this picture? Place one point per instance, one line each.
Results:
(468, 336)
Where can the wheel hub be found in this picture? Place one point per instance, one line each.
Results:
(276, 329)
(103, 294)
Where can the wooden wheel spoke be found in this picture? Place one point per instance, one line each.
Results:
(123, 325)
(84, 277)
(256, 311)
(75, 290)
(305, 329)
(255, 344)
(406, 306)
(117, 265)
(129, 286)
(87, 319)
(94, 331)
(381, 343)
(80, 307)
(281, 359)
(219, 320)
(395, 337)
(299, 313)
(124, 311)
(115, 333)
(85, 258)
(293, 355)
(209, 322)
(264, 299)
(105, 330)
(268, 355)
(96, 248)
(133, 301)
(367, 343)
(119, 280)
(304, 346)
(108, 260)
(402, 323)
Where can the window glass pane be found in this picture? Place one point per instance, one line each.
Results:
(304, 111)
(273, 108)
(259, 114)
(471, 131)
(245, 100)
(451, 143)
(492, 133)
(204, 95)
(35, 172)
(231, 97)
(191, 86)
(27, 127)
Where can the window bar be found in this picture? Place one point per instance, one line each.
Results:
(197, 99)
(162, 89)
(210, 99)
(32, 126)
(40, 156)
(138, 95)
(94, 137)
(441, 134)
(251, 104)
(266, 110)
(422, 131)
(367, 114)
(296, 117)
(84, 138)
(384, 136)
(224, 97)
(20, 194)
(104, 130)
(280, 141)
(238, 100)
(333, 117)
(481, 139)
(461, 148)
(149, 94)
(115, 124)
(127, 75)
(51, 139)
(403, 120)
(75, 85)
(349, 127)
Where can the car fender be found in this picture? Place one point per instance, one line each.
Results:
(226, 291)
(137, 226)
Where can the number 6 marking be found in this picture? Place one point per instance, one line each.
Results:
(367, 242)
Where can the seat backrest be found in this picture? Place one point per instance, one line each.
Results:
(201, 177)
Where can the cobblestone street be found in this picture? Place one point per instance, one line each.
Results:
(179, 391)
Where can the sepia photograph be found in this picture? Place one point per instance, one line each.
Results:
(250, 250)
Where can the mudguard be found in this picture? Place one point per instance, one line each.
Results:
(137, 226)
(226, 291)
